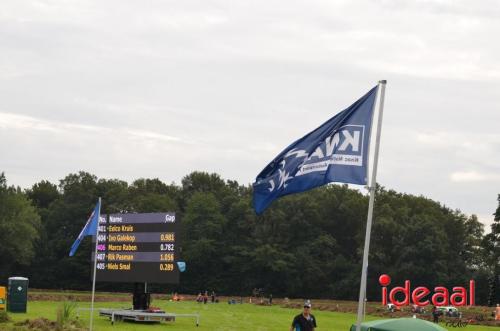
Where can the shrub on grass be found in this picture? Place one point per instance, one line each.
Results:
(43, 324)
(38, 324)
(4, 317)
(65, 313)
(65, 316)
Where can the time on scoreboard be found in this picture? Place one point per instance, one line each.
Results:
(166, 266)
(169, 236)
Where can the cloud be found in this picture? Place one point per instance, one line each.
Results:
(473, 140)
(451, 42)
(128, 90)
(437, 139)
(476, 149)
(472, 176)
(28, 123)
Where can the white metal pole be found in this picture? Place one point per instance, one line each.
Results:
(372, 188)
(145, 292)
(95, 266)
(364, 307)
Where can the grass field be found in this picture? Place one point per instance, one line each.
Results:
(220, 317)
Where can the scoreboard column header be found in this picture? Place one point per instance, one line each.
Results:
(166, 218)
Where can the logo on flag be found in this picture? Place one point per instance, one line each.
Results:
(337, 151)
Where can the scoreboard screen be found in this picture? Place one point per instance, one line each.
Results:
(137, 248)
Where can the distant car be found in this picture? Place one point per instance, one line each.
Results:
(417, 309)
(449, 311)
(392, 307)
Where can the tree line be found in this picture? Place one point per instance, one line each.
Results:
(304, 245)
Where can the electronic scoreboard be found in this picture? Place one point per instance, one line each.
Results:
(137, 248)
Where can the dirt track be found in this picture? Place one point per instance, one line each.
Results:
(478, 314)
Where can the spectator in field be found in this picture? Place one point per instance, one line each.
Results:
(497, 313)
(199, 298)
(213, 297)
(271, 299)
(435, 314)
(205, 297)
(304, 321)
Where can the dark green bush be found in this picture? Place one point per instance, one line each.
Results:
(4, 317)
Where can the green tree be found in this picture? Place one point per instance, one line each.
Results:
(473, 236)
(491, 245)
(19, 224)
(304, 245)
(66, 217)
(202, 242)
(152, 195)
(42, 194)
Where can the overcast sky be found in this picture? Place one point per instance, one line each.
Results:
(128, 89)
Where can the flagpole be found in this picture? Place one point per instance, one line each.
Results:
(371, 188)
(95, 266)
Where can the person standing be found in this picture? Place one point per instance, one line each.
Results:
(435, 314)
(497, 313)
(304, 321)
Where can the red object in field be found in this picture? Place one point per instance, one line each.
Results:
(384, 280)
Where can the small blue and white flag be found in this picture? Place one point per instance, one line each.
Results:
(181, 265)
(337, 151)
(90, 228)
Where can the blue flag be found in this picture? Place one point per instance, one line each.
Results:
(90, 228)
(181, 265)
(337, 151)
